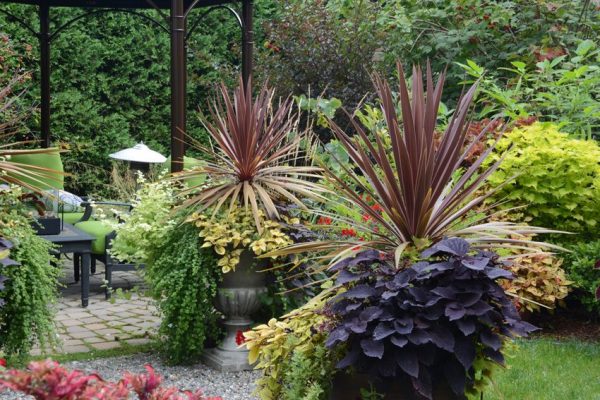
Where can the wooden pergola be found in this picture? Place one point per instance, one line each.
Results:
(172, 17)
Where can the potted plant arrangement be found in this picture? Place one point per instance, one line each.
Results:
(258, 164)
(416, 310)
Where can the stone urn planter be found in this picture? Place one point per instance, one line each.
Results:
(348, 386)
(237, 298)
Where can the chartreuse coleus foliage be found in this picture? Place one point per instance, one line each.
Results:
(229, 234)
(300, 333)
(557, 181)
(429, 322)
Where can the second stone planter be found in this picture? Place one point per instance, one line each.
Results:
(238, 296)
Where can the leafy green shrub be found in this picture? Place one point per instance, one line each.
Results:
(558, 178)
(580, 265)
(332, 45)
(564, 90)
(493, 33)
(325, 48)
(184, 278)
(148, 223)
(27, 317)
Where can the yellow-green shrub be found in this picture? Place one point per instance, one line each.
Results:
(558, 182)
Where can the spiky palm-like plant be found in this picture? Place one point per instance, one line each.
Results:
(421, 192)
(258, 158)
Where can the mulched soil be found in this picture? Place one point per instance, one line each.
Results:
(567, 324)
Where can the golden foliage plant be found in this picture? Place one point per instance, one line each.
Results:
(271, 345)
(538, 282)
(229, 236)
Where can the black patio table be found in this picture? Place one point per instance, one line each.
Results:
(73, 240)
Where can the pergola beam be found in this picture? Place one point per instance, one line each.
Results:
(178, 84)
(247, 39)
(179, 10)
(44, 38)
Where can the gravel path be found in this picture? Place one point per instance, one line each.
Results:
(230, 386)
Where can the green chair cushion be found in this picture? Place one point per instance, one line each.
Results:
(51, 161)
(97, 229)
(188, 164)
(71, 217)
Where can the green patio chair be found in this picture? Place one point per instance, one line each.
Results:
(52, 161)
(104, 235)
(190, 163)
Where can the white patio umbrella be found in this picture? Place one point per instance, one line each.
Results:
(139, 156)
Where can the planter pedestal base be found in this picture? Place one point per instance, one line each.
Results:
(237, 304)
(226, 361)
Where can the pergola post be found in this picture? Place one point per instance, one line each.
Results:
(44, 38)
(247, 40)
(178, 83)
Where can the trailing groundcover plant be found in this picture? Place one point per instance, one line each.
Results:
(418, 299)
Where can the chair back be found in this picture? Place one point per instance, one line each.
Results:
(51, 161)
(188, 164)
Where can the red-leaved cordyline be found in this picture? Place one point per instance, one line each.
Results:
(412, 184)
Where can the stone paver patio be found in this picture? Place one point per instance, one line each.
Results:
(104, 324)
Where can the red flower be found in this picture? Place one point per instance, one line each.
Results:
(356, 248)
(324, 221)
(239, 338)
(348, 232)
(366, 217)
(377, 207)
(2, 362)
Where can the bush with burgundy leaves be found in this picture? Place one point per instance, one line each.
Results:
(47, 380)
(432, 322)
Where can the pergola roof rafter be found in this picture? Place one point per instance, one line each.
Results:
(175, 24)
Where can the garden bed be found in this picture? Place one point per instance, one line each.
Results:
(540, 369)
(230, 386)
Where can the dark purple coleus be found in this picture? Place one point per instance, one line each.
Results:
(427, 322)
(5, 262)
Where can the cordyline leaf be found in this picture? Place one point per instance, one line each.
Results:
(260, 157)
(413, 182)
